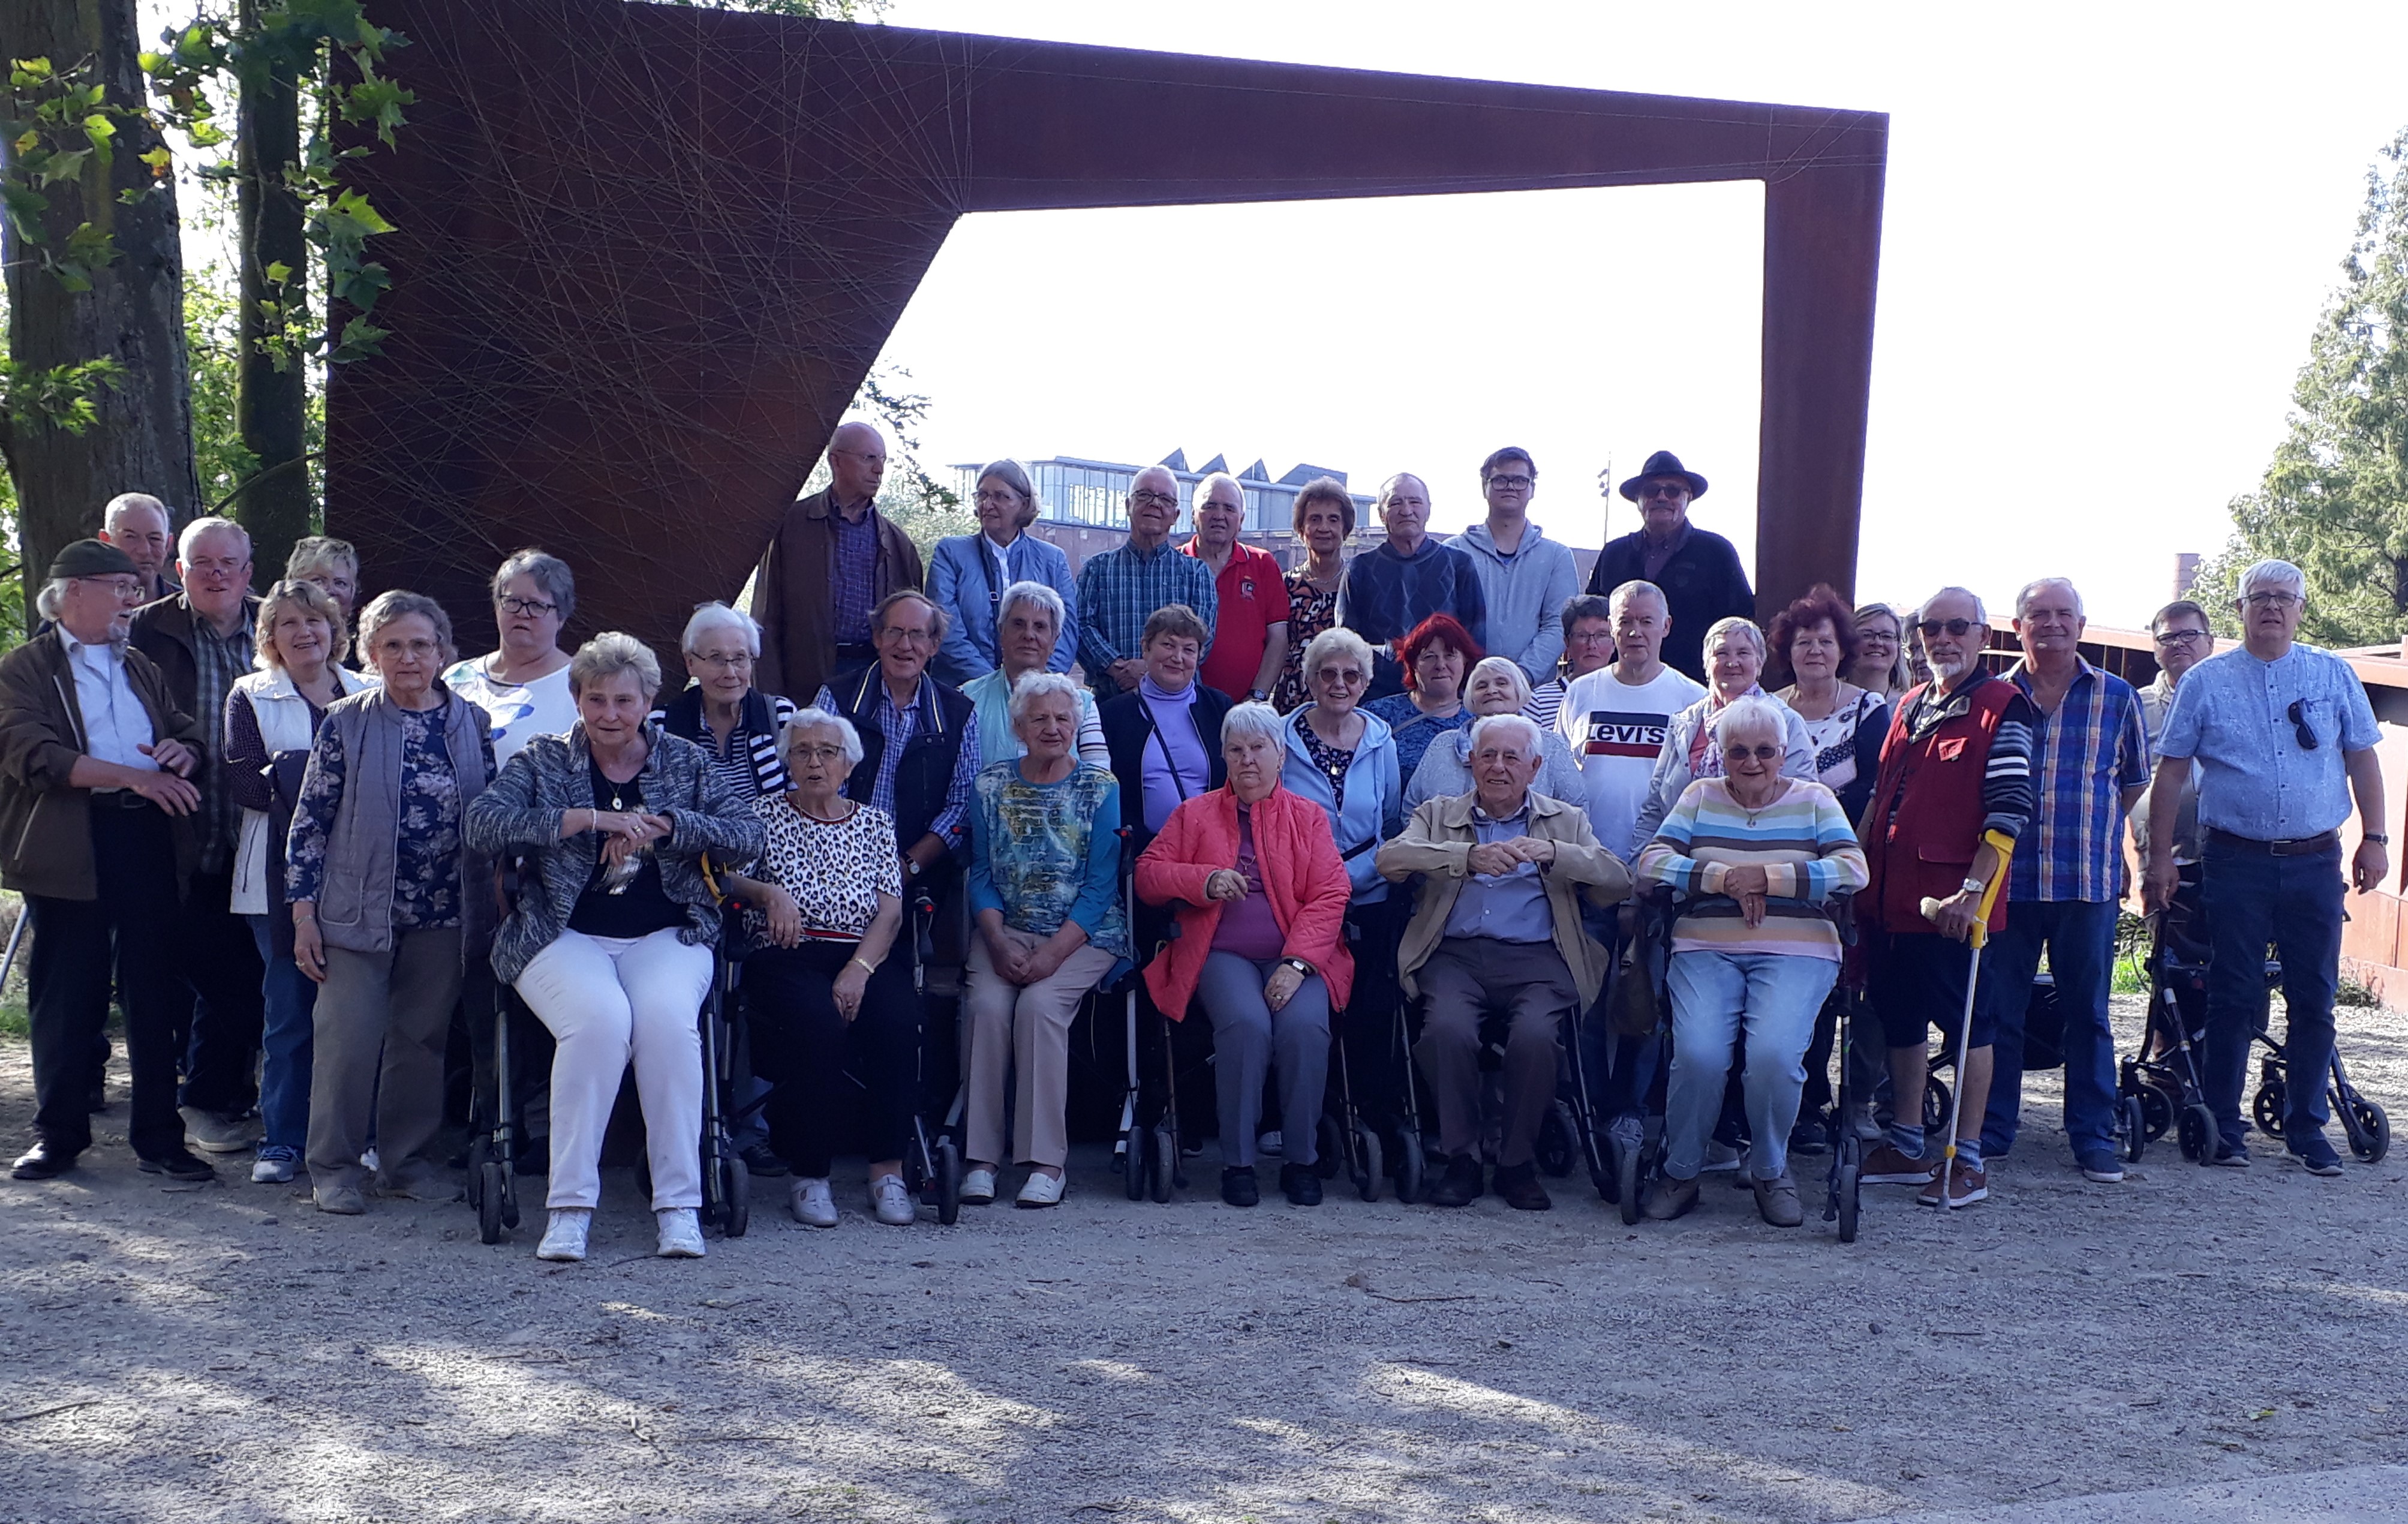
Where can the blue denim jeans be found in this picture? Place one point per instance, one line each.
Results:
(291, 1001)
(2080, 937)
(1773, 997)
(2251, 899)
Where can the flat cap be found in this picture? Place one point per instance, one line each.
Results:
(92, 558)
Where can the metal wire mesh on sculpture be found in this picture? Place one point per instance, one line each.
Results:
(645, 255)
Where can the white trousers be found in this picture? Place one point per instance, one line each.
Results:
(607, 1000)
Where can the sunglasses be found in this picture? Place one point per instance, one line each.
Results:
(1762, 753)
(2297, 715)
(1929, 627)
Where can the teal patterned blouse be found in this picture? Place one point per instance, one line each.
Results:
(1043, 854)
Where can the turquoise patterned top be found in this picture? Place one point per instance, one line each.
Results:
(1043, 854)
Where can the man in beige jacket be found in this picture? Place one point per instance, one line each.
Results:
(1497, 928)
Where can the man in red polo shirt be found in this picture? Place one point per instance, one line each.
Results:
(1250, 634)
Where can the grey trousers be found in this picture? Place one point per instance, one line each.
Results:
(1246, 1033)
(396, 1005)
(1465, 978)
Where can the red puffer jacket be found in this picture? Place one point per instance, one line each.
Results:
(1302, 876)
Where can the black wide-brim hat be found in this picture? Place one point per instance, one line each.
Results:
(1664, 463)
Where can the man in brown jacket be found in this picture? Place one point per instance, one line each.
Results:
(96, 832)
(833, 561)
(1497, 928)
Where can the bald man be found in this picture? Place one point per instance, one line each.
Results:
(834, 559)
(140, 525)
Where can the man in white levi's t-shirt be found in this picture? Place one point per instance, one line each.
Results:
(1613, 719)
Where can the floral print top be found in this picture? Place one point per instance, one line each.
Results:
(426, 851)
(1043, 854)
(1310, 611)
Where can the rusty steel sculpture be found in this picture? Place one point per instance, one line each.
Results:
(647, 253)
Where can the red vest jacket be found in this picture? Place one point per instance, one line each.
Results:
(1925, 822)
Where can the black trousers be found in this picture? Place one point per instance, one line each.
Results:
(800, 1042)
(77, 945)
(218, 959)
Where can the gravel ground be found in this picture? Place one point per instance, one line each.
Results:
(226, 1353)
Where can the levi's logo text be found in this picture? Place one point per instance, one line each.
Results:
(1624, 735)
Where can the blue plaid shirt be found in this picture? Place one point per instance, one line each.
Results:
(2084, 756)
(852, 571)
(1120, 589)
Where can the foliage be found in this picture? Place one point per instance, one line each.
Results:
(211, 352)
(57, 123)
(830, 11)
(918, 504)
(2335, 498)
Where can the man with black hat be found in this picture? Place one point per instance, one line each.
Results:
(96, 833)
(1698, 570)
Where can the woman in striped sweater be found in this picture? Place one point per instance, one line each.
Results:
(1756, 857)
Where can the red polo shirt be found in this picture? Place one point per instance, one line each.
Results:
(1254, 598)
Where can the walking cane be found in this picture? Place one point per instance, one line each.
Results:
(16, 936)
(2004, 846)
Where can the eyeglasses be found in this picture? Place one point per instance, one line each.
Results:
(724, 661)
(1762, 753)
(2272, 600)
(997, 499)
(1929, 627)
(2298, 716)
(1343, 676)
(1510, 483)
(124, 587)
(511, 603)
(914, 635)
(1147, 499)
(2171, 638)
(816, 752)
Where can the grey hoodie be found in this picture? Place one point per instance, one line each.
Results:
(1526, 595)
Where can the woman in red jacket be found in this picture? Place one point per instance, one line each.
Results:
(1261, 900)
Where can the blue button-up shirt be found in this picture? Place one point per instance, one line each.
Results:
(1509, 907)
(2084, 756)
(2231, 713)
(1120, 589)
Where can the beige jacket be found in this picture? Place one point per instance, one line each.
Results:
(1438, 838)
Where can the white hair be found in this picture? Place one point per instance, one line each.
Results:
(1488, 724)
(1508, 666)
(1721, 627)
(804, 722)
(1257, 720)
(1204, 488)
(1981, 613)
(2024, 595)
(719, 616)
(1035, 685)
(1752, 712)
(208, 525)
(1038, 594)
(48, 601)
(1635, 588)
(125, 502)
(2275, 574)
(1336, 641)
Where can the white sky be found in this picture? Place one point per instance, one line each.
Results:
(2108, 232)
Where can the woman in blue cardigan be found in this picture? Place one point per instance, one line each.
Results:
(969, 574)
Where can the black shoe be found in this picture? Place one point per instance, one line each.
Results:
(1238, 1186)
(1460, 1185)
(1519, 1185)
(759, 1161)
(183, 1164)
(43, 1161)
(2316, 1154)
(1809, 1136)
(1302, 1183)
(531, 1161)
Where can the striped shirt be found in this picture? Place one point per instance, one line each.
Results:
(2084, 756)
(1120, 589)
(2007, 801)
(1801, 839)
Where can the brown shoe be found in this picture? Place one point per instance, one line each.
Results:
(1886, 1166)
(1776, 1201)
(1519, 1185)
(1672, 1196)
(1967, 1184)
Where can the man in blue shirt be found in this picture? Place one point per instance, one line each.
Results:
(1403, 579)
(2285, 740)
(1120, 589)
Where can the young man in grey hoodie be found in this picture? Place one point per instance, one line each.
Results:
(1525, 576)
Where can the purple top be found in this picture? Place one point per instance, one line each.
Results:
(1247, 927)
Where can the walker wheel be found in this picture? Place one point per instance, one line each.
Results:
(2157, 1110)
(1163, 1159)
(2369, 1129)
(2267, 1110)
(479, 1149)
(948, 1181)
(736, 1194)
(1410, 1166)
(1556, 1135)
(1333, 1149)
(1134, 1145)
(1848, 1186)
(2199, 1134)
(490, 1185)
(1626, 1179)
(1935, 1103)
(1373, 1168)
(2136, 1132)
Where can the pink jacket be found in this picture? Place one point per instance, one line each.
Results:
(1302, 875)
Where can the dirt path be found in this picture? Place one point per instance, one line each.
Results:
(226, 1353)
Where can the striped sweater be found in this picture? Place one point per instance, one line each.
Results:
(1801, 840)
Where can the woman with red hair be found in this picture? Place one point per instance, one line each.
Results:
(1435, 657)
(1813, 643)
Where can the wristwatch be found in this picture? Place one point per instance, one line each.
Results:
(911, 866)
(2381, 839)
(1974, 887)
(1259, 695)
(1299, 965)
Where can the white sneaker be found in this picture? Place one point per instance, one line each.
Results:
(978, 1187)
(681, 1233)
(369, 1161)
(563, 1237)
(1042, 1190)
(812, 1204)
(891, 1202)
(1271, 1143)
(1721, 1157)
(274, 1170)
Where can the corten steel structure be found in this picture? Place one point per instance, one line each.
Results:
(646, 255)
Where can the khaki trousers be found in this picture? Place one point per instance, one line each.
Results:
(377, 1044)
(1008, 1028)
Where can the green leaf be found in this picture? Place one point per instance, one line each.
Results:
(277, 272)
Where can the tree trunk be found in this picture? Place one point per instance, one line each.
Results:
(270, 404)
(135, 311)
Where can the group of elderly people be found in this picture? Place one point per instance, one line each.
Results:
(410, 837)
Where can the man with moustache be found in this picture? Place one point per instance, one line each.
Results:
(1698, 570)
